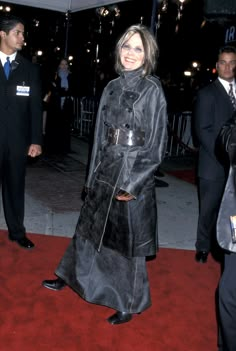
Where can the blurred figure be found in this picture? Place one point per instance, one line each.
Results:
(20, 124)
(59, 118)
(226, 235)
(45, 94)
(105, 262)
(213, 107)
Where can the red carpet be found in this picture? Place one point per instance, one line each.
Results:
(188, 175)
(182, 317)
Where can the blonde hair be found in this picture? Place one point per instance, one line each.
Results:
(149, 44)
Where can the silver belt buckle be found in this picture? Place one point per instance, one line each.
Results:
(116, 136)
(130, 140)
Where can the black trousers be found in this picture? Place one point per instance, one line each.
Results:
(210, 193)
(12, 172)
(227, 303)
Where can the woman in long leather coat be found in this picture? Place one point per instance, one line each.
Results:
(105, 262)
(226, 235)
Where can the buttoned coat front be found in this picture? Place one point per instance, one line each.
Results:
(129, 102)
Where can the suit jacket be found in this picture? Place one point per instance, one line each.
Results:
(20, 105)
(211, 110)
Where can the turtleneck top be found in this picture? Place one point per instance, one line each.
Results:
(130, 78)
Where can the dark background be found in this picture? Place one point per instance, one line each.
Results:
(193, 34)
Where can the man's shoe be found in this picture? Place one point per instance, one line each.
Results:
(120, 317)
(56, 284)
(23, 242)
(201, 256)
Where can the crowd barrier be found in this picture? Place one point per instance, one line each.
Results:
(180, 141)
(85, 110)
(180, 136)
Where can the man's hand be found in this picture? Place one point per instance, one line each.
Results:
(34, 150)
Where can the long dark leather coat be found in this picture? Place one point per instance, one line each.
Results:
(227, 138)
(129, 103)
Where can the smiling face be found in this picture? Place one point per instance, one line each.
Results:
(132, 53)
(12, 41)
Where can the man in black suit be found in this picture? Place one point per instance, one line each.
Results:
(213, 107)
(20, 124)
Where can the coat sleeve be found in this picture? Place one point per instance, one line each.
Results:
(98, 140)
(227, 139)
(142, 162)
(227, 134)
(204, 121)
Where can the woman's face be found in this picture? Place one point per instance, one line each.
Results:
(132, 53)
(63, 65)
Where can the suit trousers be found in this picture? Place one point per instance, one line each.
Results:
(210, 193)
(227, 303)
(12, 171)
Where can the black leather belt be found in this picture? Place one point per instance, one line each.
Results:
(126, 137)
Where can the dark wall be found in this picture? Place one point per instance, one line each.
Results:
(220, 8)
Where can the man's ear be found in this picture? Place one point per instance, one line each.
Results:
(2, 34)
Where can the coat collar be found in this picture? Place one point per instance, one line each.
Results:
(15, 63)
(130, 78)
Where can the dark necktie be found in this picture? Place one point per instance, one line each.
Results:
(231, 95)
(7, 67)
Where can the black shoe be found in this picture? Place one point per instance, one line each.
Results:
(23, 242)
(159, 174)
(56, 284)
(201, 256)
(120, 317)
(160, 183)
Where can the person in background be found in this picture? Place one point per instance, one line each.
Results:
(45, 94)
(226, 236)
(59, 102)
(105, 262)
(20, 123)
(213, 107)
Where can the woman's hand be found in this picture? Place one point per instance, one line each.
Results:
(124, 196)
(34, 150)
